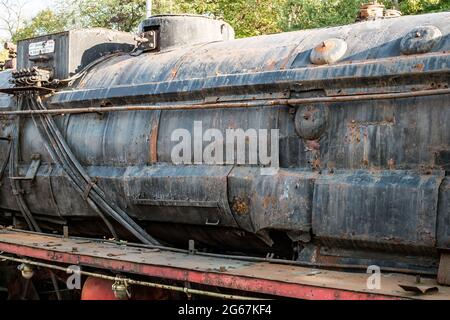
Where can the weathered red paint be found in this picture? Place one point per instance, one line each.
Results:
(263, 286)
(97, 290)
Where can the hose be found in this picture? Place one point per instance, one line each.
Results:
(78, 187)
(62, 154)
(73, 179)
(5, 163)
(15, 185)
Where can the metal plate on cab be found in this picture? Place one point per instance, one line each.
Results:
(42, 47)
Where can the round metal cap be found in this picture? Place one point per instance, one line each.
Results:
(329, 51)
(420, 40)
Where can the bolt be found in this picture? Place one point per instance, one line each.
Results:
(120, 289)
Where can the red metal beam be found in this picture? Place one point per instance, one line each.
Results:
(264, 286)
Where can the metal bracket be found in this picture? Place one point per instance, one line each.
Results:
(192, 250)
(418, 289)
(208, 223)
(151, 43)
(89, 188)
(33, 169)
(65, 232)
(270, 256)
(444, 270)
(146, 42)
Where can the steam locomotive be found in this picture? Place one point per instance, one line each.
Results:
(360, 150)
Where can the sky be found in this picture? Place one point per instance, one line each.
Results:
(34, 6)
(30, 10)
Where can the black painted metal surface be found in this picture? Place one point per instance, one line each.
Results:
(73, 50)
(365, 179)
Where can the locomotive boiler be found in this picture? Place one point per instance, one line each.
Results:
(358, 138)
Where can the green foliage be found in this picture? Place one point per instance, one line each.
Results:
(4, 55)
(46, 21)
(424, 6)
(123, 15)
(306, 14)
(248, 17)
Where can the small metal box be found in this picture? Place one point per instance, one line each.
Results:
(66, 53)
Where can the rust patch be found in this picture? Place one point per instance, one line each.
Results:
(391, 164)
(419, 67)
(316, 164)
(174, 72)
(353, 134)
(271, 65)
(366, 147)
(269, 201)
(313, 145)
(154, 138)
(241, 206)
(324, 46)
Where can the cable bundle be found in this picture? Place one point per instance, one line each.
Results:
(64, 157)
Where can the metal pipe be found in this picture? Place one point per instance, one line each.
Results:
(231, 105)
(131, 281)
(149, 8)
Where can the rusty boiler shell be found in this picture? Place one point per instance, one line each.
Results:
(329, 51)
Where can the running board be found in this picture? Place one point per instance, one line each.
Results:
(272, 279)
